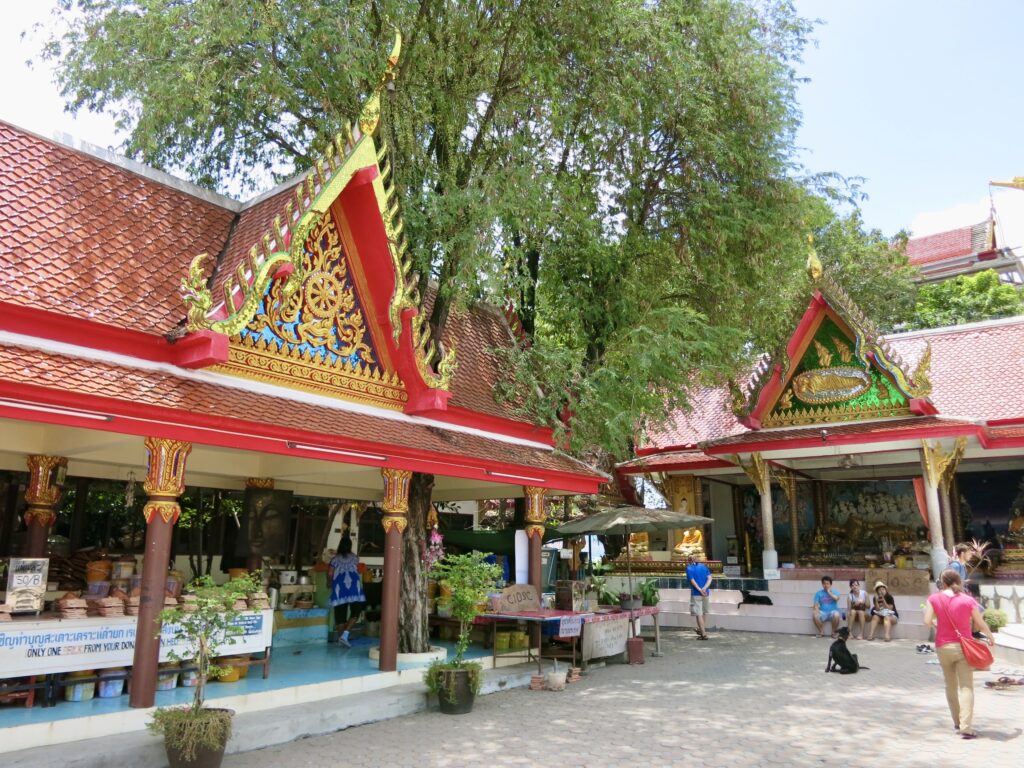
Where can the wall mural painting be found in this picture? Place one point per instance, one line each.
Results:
(872, 516)
(989, 501)
(780, 516)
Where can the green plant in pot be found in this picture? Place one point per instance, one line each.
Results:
(205, 623)
(995, 618)
(604, 595)
(469, 577)
(649, 592)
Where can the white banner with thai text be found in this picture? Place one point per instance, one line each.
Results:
(69, 645)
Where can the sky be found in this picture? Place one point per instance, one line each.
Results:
(920, 98)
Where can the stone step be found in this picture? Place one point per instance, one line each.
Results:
(777, 624)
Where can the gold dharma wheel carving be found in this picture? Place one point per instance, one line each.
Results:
(323, 294)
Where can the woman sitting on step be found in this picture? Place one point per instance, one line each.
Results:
(883, 611)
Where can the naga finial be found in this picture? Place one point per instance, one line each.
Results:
(814, 268)
(369, 118)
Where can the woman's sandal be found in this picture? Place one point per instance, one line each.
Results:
(968, 735)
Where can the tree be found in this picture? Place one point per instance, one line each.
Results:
(621, 170)
(872, 268)
(966, 299)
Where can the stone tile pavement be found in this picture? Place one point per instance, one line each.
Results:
(740, 700)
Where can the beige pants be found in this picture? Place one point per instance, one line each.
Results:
(959, 677)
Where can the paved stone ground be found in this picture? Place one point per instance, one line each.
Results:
(739, 700)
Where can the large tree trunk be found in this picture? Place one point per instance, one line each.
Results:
(413, 632)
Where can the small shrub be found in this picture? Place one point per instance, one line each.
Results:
(189, 731)
(995, 618)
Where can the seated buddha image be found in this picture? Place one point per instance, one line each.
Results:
(1015, 530)
(692, 543)
(639, 546)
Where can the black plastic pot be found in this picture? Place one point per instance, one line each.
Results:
(456, 695)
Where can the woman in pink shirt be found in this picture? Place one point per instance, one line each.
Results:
(952, 611)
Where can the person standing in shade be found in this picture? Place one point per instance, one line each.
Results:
(700, 593)
(347, 596)
(954, 614)
(826, 607)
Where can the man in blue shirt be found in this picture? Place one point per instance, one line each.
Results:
(700, 592)
(826, 607)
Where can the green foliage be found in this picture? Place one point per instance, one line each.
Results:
(966, 299)
(995, 618)
(205, 624)
(188, 731)
(622, 169)
(649, 592)
(604, 595)
(470, 579)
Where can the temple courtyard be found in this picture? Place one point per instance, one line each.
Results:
(742, 699)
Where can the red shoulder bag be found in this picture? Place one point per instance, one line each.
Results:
(976, 653)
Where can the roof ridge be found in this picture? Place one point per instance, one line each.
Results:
(961, 328)
(110, 157)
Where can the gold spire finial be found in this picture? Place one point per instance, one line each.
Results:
(814, 268)
(1016, 183)
(369, 118)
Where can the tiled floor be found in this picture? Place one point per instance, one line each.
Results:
(290, 666)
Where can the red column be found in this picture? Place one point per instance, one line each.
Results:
(165, 482)
(46, 478)
(535, 536)
(396, 506)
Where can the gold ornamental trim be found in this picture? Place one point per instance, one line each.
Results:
(535, 512)
(396, 492)
(394, 521)
(941, 467)
(758, 471)
(535, 531)
(682, 493)
(165, 474)
(46, 479)
(252, 360)
(266, 483)
(41, 515)
(832, 414)
(169, 511)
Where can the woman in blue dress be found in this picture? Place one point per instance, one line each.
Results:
(346, 590)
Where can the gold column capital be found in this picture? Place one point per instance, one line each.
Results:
(165, 468)
(534, 510)
(266, 483)
(940, 467)
(396, 498)
(46, 479)
(758, 471)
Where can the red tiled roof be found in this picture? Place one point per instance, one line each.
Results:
(90, 239)
(895, 429)
(673, 459)
(977, 370)
(709, 417)
(977, 373)
(188, 397)
(948, 245)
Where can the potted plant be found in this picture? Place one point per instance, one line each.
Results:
(604, 595)
(649, 592)
(469, 578)
(995, 618)
(204, 623)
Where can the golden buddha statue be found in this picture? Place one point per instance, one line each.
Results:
(639, 547)
(1015, 530)
(692, 543)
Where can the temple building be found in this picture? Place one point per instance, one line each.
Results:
(153, 330)
(853, 454)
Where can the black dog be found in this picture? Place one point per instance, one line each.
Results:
(750, 599)
(839, 657)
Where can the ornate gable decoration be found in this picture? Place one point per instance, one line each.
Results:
(836, 368)
(316, 337)
(294, 313)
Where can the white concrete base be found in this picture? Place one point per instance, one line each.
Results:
(412, 660)
(1010, 645)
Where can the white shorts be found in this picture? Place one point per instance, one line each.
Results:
(700, 605)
